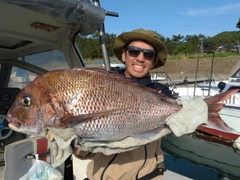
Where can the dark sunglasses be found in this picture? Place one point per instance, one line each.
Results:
(135, 51)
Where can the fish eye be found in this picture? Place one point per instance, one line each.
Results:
(26, 101)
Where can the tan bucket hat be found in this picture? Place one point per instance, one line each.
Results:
(140, 34)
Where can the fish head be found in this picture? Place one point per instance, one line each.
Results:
(31, 108)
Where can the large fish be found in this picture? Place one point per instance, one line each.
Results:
(98, 104)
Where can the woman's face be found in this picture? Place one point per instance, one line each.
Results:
(139, 58)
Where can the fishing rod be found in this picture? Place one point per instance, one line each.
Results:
(195, 84)
(210, 81)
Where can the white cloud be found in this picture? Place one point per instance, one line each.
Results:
(229, 8)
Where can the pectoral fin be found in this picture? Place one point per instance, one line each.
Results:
(75, 120)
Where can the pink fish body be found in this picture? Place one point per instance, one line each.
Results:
(98, 104)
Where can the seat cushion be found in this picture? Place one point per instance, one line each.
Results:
(16, 163)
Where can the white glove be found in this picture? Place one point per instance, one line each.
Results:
(62, 140)
(126, 144)
(57, 155)
(236, 143)
(193, 114)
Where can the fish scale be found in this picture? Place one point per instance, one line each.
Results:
(96, 103)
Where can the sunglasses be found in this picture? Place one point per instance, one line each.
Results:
(135, 51)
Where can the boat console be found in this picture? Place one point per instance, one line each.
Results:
(7, 135)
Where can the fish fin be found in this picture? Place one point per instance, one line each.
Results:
(117, 76)
(91, 139)
(151, 133)
(145, 136)
(103, 71)
(120, 77)
(163, 98)
(167, 98)
(75, 120)
(102, 139)
(215, 104)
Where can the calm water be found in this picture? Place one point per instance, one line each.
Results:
(191, 170)
(200, 160)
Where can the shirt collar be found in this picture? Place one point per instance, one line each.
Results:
(146, 80)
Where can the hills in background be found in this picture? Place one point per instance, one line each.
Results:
(227, 38)
(178, 44)
(222, 68)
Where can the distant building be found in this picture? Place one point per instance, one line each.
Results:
(227, 48)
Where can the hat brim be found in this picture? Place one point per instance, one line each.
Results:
(127, 37)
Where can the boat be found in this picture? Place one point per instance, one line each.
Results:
(37, 37)
(158, 76)
(230, 114)
(208, 145)
(198, 153)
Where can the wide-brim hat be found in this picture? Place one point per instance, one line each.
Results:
(148, 36)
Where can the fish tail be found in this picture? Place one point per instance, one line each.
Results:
(215, 104)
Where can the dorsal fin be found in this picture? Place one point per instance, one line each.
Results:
(121, 77)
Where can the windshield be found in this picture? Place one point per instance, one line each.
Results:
(50, 60)
(20, 77)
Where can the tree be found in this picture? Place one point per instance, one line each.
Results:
(178, 44)
(181, 48)
(238, 24)
(177, 39)
(170, 46)
(110, 39)
(193, 43)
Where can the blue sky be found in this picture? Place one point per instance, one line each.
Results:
(173, 17)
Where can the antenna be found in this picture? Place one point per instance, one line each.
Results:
(102, 37)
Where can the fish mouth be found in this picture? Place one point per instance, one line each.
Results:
(14, 126)
(18, 128)
(12, 121)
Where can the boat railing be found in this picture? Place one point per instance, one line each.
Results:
(164, 78)
(233, 100)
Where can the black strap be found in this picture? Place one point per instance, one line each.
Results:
(158, 171)
(34, 156)
(109, 163)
